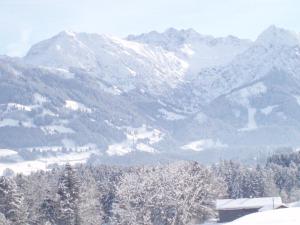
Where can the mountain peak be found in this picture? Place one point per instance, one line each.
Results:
(181, 32)
(169, 35)
(67, 33)
(275, 36)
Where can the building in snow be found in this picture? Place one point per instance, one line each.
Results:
(231, 209)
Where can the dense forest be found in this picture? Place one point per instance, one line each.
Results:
(178, 193)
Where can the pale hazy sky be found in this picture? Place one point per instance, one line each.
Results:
(25, 22)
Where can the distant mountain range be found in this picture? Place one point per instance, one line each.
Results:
(151, 97)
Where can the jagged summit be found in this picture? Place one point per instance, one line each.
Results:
(274, 50)
(64, 50)
(121, 62)
(200, 51)
(275, 36)
(182, 33)
(181, 36)
(67, 33)
(171, 32)
(170, 39)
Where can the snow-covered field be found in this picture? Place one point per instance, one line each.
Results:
(7, 152)
(203, 144)
(26, 167)
(76, 155)
(134, 141)
(290, 216)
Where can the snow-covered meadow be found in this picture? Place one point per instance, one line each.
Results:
(290, 216)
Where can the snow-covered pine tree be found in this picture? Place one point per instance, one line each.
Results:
(232, 173)
(48, 211)
(90, 208)
(11, 202)
(269, 186)
(68, 192)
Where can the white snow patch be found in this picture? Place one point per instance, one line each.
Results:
(242, 96)
(77, 154)
(72, 105)
(27, 123)
(171, 115)
(45, 149)
(56, 129)
(9, 123)
(74, 148)
(132, 72)
(39, 99)
(109, 123)
(254, 90)
(297, 97)
(63, 73)
(144, 133)
(288, 216)
(187, 50)
(114, 90)
(145, 148)
(251, 120)
(161, 102)
(76, 106)
(26, 167)
(203, 144)
(268, 110)
(49, 113)
(16, 106)
(119, 149)
(70, 33)
(137, 139)
(7, 152)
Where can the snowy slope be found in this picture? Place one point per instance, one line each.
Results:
(273, 217)
(199, 51)
(274, 49)
(121, 63)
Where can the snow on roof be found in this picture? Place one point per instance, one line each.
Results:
(246, 203)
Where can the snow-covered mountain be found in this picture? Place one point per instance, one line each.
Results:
(155, 96)
(125, 64)
(199, 51)
(274, 49)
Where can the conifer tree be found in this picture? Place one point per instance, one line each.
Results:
(68, 192)
(11, 202)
